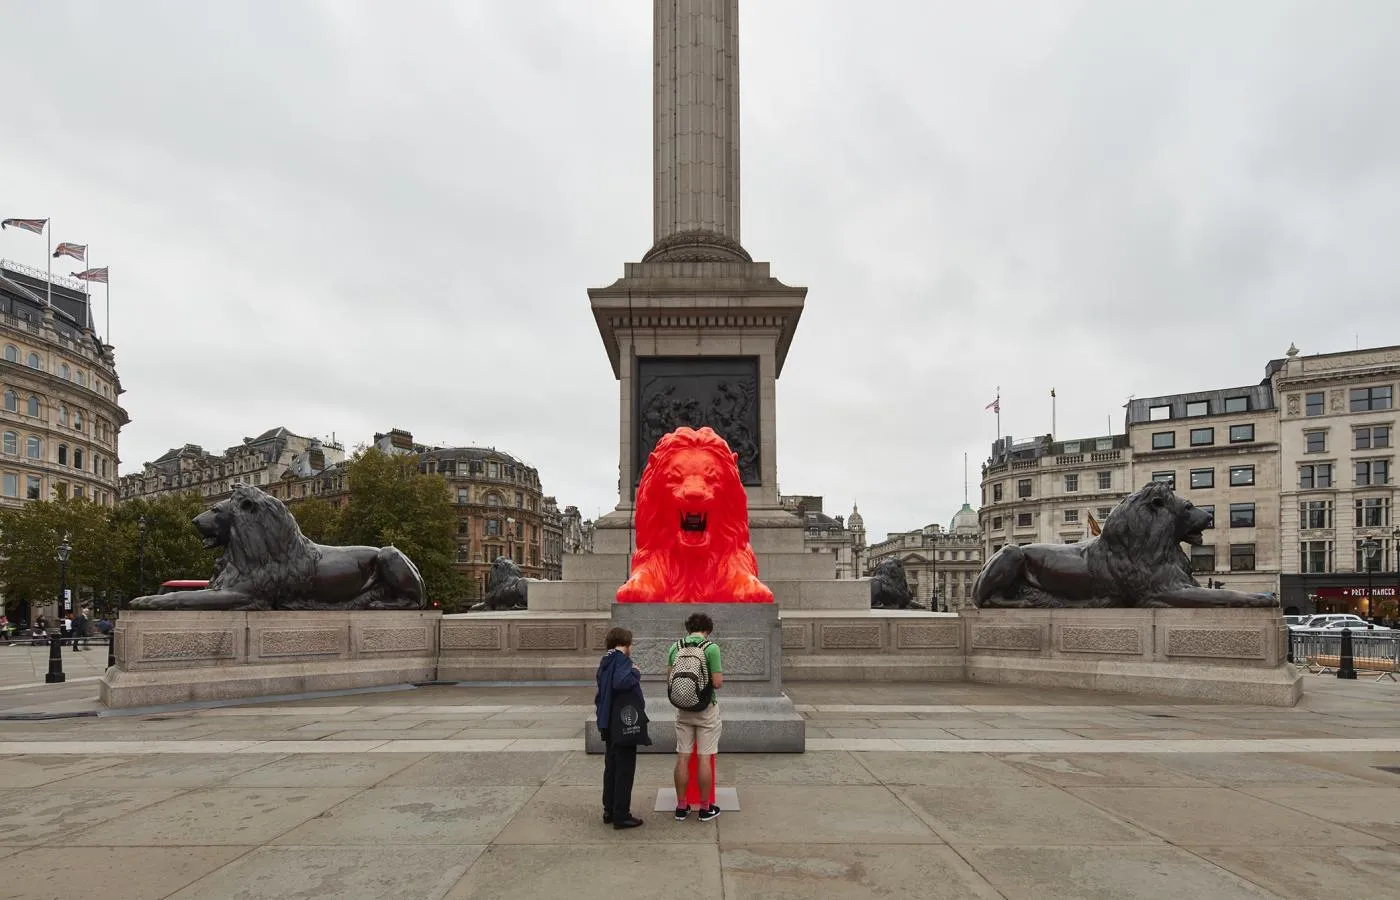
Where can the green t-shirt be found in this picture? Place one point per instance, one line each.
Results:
(712, 657)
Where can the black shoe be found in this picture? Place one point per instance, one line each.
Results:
(607, 818)
(682, 812)
(708, 814)
(629, 822)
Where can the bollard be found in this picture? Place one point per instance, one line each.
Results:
(112, 647)
(1346, 669)
(55, 675)
(1290, 645)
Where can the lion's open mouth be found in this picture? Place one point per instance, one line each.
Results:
(693, 527)
(211, 542)
(1194, 538)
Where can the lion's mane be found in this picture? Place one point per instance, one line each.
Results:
(1138, 553)
(266, 554)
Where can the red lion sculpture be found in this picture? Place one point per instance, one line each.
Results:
(693, 526)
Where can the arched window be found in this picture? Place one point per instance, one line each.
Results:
(33, 407)
(78, 458)
(12, 443)
(33, 448)
(11, 353)
(64, 372)
(63, 454)
(493, 500)
(62, 414)
(11, 401)
(82, 378)
(78, 419)
(32, 361)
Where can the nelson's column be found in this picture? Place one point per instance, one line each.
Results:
(697, 332)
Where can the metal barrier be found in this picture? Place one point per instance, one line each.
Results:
(1322, 652)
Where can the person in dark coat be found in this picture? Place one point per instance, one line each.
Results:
(618, 679)
(79, 632)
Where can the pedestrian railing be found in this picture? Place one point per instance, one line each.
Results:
(1324, 652)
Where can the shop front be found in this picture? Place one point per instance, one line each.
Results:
(1341, 593)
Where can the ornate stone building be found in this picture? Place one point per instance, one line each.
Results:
(552, 551)
(940, 564)
(830, 534)
(60, 418)
(264, 461)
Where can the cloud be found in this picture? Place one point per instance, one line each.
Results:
(346, 217)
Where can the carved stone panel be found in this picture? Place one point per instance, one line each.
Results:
(156, 645)
(1088, 639)
(1225, 643)
(1293, 404)
(471, 637)
(388, 640)
(301, 642)
(916, 637)
(794, 637)
(744, 657)
(1006, 637)
(851, 637)
(547, 637)
(721, 392)
(598, 637)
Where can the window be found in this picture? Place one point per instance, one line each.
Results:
(1315, 403)
(1315, 476)
(78, 458)
(1317, 513)
(1241, 557)
(1071, 516)
(1163, 440)
(1103, 444)
(1369, 560)
(1071, 484)
(493, 527)
(11, 402)
(1375, 437)
(996, 523)
(1241, 475)
(1241, 434)
(11, 484)
(1198, 408)
(1023, 487)
(11, 443)
(493, 470)
(1370, 398)
(1372, 471)
(1103, 512)
(31, 487)
(1105, 481)
(77, 492)
(32, 408)
(62, 414)
(493, 500)
(11, 353)
(64, 372)
(1315, 441)
(1236, 404)
(520, 529)
(78, 419)
(1202, 478)
(1023, 520)
(32, 361)
(33, 448)
(996, 492)
(462, 555)
(462, 496)
(1210, 510)
(1168, 477)
(1241, 515)
(1071, 447)
(1202, 437)
(1203, 558)
(1159, 413)
(1373, 512)
(519, 500)
(1315, 556)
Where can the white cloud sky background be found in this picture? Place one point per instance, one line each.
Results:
(348, 216)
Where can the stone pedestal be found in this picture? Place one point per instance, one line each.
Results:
(1227, 655)
(758, 716)
(175, 657)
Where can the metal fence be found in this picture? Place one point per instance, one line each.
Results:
(1372, 653)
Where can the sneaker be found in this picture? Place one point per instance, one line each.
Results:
(708, 814)
(682, 812)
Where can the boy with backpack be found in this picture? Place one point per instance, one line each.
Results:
(693, 674)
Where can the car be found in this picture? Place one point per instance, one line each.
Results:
(1355, 624)
(183, 584)
(1295, 621)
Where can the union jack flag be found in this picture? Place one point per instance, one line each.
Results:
(77, 251)
(92, 275)
(34, 225)
(994, 406)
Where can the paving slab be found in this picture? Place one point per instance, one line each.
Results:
(1107, 873)
(1369, 808)
(835, 814)
(37, 817)
(344, 873)
(840, 872)
(630, 867)
(413, 816)
(580, 769)
(949, 769)
(565, 816)
(109, 873)
(1218, 816)
(33, 771)
(745, 769)
(1325, 873)
(483, 768)
(330, 770)
(213, 816)
(1237, 769)
(170, 770)
(1067, 769)
(1017, 816)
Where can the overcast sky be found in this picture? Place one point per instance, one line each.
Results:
(348, 216)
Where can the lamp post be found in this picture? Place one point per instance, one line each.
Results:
(65, 547)
(141, 557)
(510, 535)
(1369, 548)
(1395, 539)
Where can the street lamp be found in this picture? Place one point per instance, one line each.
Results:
(1395, 539)
(64, 548)
(1369, 548)
(141, 557)
(510, 534)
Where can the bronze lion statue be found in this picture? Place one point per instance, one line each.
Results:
(889, 587)
(1136, 561)
(507, 588)
(268, 563)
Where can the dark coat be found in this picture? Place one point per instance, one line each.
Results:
(615, 676)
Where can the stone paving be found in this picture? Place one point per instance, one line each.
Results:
(927, 791)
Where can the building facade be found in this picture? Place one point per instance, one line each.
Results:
(821, 533)
(1044, 491)
(1220, 450)
(275, 456)
(552, 551)
(1338, 527)
(61, 417)
(940, 564)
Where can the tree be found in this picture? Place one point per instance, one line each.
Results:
(318, 519)
(29, 539)
(392, 503)
(174, 548)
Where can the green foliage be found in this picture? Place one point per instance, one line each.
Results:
(318, 519)
(173, 548)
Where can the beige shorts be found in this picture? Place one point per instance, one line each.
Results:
(698, 731)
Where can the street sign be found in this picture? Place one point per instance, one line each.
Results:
(1332, 593)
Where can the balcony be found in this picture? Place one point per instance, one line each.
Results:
(1099, 456)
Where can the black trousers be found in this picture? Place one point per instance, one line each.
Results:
(619, 770)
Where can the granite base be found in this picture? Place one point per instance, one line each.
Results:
(751, 725)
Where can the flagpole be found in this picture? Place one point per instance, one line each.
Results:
(998, 412)
(1052, 414)
(48, 230)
